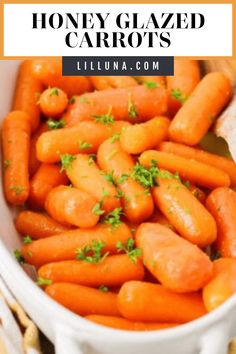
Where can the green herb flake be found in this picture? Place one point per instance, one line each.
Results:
(72, 100)
(83, 99)
(186, 184)
(146, 176)
(119, 194)
(132, 111)
(30, 254)
(18, 189)
(19, 257)
(109, 177)
(54, 91)
(92, 158)
(113, 218)
(105, 193)
(106, 119)
(27, 239)
(83, 145)
(43, 282)
(115, 137)
(6, 164)
(55, 124)
(178, 95)
(150, 84)
(152, 263)
(123, 178)
(132, 252)
(66, 161)
(103, 288)
(93, 253)
(97, 209)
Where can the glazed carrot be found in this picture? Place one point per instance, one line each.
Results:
(222, 285)
(106, 82)
(49, 72)
(179, 87)
(45, 179)
(37, 225)
(72, 206)
(188, 152)
(221, 203)
(132, 104)
(84, 300)
(175, 262)
(15, 145)
(84, 137)
(141, 301)
(85, 175)
(185, 212)
(137, 204)
(122, 323)
(140, 137)
(151, 81)
(63, 247)
(200, 110)
(112, 271)
(191, 170)
(53, 102)
(34, 163)
(26, 93)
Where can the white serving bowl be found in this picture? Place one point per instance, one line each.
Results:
(72, 334)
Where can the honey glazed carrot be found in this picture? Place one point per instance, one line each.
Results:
(106, 82)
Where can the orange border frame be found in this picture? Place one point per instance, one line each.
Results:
(2, 57)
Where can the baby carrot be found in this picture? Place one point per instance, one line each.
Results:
(34, 163)
(222, 285)
(16, 145)
(106, 82)
(131, 104)
(69, 205)
(140, 137)
(85, 137)
(84, 300)
(137, 203)
(185, 212)
(63, 247)
(49, 72)
(85, 175)
(191, 170)
(37, 225)
(26, 93)
(221, 203)
(53, 102)
(188, 152)
(142, 301)
(123, 323)
(112, 271)
(179, 265)
(201, 109)
(179, 87)
(45, 179)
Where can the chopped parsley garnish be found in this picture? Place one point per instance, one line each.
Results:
(129, 249)
(132, 111)
(6, 163)
(113, 218)
(93, 253)
(146, 176)
(66, 161)
(72, 100)
(103, 288)
(18, 189)
(27, 239)
(176, 93)
(55, 124)
(120, 194)
(97, 209)
(19, 256)
(42, 281)
(105, 193)
(110, 177)
(123, 178)
(115, 137)
(106, 119)
(84, 99)
(84, 145)
(54, 91)
(150, 84)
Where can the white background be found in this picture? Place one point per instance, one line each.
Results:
(214, 39)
